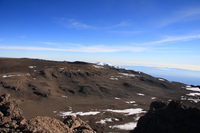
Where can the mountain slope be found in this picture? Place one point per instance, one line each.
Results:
(95, 92)
(43, 78)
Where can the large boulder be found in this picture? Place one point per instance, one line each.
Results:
(169, 118)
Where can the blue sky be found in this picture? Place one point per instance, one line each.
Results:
(160, 33)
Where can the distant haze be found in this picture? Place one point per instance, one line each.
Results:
(172, 74)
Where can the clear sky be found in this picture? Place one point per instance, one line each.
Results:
(161, 33)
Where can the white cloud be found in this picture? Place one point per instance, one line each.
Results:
(183, 15)
(89, 49)
(48, 43)
(171, 39)
(72, 23)
(122, 24)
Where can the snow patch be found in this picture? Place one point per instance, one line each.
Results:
(96, 66)
(192, 88)
(194, 100)
(103, 64)
(63, 114)
(153, 98)
(127, 112)
(126, 126)
(107, 64)
(129, 102)
(117, 98)
(7, 76)
(140, 94)
(161, 79)
(31, 66)
(183, 98)
(114, 78)
(103, 121)
(193, 94)
(127, 74)
(64, 96)
(70, 108)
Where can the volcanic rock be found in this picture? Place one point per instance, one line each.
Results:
(12, 120)
(169, 118)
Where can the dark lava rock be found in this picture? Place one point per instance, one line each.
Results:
(169, 118)
(12, 121)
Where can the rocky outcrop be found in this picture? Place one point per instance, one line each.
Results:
(77, 125)
(169, 118)
(12, 120)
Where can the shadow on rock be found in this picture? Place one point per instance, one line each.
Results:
(169, 118)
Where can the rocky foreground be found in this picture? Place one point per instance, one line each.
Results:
(12, 120)
(161, 118)
(169, 118)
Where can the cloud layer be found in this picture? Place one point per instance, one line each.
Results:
(89, 49)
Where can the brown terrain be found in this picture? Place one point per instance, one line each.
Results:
(104, 97)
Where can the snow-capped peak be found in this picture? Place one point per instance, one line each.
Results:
(103, 64)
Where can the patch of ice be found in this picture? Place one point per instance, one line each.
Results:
(31, 66)
(127, 74)
(7, 76)
(193, 94)
(114, 78)
(63, 114)
(130, 102)
(126, 126)
(140, 94)
(192, 88)
(64, 96)
(126, 112)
